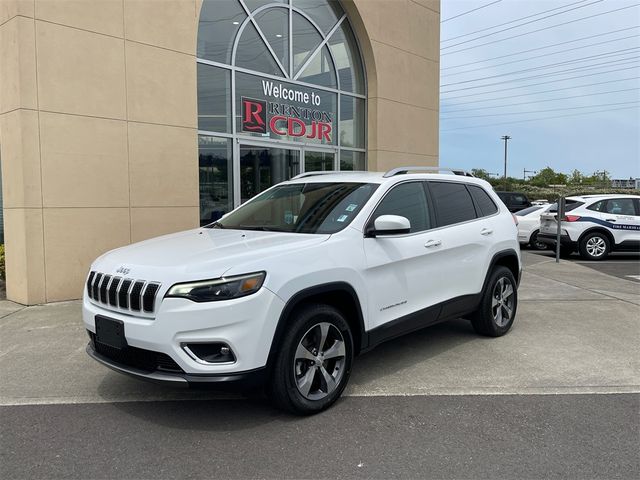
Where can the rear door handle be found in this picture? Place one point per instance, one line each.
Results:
(433, 243)
(486, 231)
(610, 219)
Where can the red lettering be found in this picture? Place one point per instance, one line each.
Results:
(252, 119)
(273, 126)
(325, 130)
(295, 121)
(313, 130)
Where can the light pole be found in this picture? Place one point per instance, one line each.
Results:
(506, 138)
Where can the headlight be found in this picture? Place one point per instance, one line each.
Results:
(219, 289)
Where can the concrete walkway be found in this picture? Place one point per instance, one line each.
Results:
(577, 331)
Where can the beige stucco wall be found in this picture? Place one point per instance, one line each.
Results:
(98, 117)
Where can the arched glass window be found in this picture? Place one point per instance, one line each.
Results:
(281, 90)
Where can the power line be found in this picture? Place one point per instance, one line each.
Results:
(533, 31)
(537, 119)
(524, 18)
(543, 111)
(543, 91)
(534, 84)
(470, 11)
(544, 75)
(540, 56)
(552, 45)
(541, 101)
(601, 56)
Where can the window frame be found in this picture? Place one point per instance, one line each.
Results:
(475, 208)
(369, 224)
(479, 212)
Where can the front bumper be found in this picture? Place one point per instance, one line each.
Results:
(550, 239)
(246, 325)
(239, 381)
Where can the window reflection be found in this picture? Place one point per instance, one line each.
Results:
(215, 165)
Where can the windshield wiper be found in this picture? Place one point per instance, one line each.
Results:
(215, 225)
(261, 228)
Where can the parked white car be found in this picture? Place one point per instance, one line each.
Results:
(595, 225)
(288, 288)
(529, 226)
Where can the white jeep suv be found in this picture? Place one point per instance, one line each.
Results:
(595, 225)
(284, 291)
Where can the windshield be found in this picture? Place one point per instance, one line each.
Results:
(301, 208)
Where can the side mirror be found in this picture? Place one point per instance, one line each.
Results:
(390, 225)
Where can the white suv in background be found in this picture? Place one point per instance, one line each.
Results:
(595, 225)
(287, 289)
(529, 226)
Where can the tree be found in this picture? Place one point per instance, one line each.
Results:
(481, 173)
(547, 176)
(576, 178)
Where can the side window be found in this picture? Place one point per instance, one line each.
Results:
(621, 206)
(452, 202)
(484, 202)
(597, 207)
(519, 199)
(407, 200)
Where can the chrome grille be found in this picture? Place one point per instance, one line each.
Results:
(122, 293)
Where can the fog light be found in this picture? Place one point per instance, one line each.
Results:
(209, 353)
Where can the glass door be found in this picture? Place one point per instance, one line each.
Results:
(264, 166)
(319, 161)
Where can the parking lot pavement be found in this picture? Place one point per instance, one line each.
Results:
(557, 396)
(624, 265)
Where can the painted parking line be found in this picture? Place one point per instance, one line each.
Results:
(634, 277)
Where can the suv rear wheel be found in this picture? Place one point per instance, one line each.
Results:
(313, 364)
(498, 306)
(535, 243)
(595, 246)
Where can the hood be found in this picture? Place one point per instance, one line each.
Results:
(199, 254)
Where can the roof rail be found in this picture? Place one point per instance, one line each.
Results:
(325, 172)
(403, 170)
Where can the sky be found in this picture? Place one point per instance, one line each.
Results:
(597, 126)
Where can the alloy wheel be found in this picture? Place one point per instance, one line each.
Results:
(319, 361)
(596, 246)
(502, 302)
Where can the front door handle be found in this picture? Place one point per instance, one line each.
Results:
(486, 231)
(433, 243)
(610, 219)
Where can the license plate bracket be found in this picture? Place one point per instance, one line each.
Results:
(110, 332)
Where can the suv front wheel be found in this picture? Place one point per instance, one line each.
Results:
(314, 360)
(498, 305)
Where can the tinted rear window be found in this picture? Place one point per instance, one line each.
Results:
(452, 202)
(483, 200)
(569, 205)
(529, 210)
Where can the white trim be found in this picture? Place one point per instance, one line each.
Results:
(319, 48)
(275, 77)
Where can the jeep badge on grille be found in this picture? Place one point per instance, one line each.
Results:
(123, 270)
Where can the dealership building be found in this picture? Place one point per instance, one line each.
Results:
(121, 120)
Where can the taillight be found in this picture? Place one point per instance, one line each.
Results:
(515, 219)
(571, 218)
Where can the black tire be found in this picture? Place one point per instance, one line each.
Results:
(283, 387)
(485, 320)
(595, 246)
(535, 244)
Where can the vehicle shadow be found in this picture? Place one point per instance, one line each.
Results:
(205, 410)
(406, 351)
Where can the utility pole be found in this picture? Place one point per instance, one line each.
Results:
(506, 138)
(524, 173)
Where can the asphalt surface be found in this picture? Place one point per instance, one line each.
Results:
(559, 436)
(624, 265)
(558, 397)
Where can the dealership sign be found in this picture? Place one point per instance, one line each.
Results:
(293, 113)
